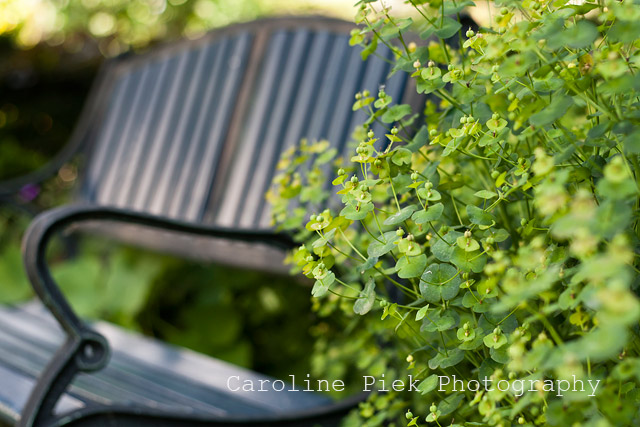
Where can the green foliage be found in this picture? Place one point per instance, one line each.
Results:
(499, 237)
(14, 284)
(251, 319)
(120, 24)
(107, 284)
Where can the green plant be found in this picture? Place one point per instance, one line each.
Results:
(252, 319)
(499, 240)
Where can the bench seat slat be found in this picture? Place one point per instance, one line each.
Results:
(142, 371)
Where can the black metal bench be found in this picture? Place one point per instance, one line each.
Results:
(179, 146)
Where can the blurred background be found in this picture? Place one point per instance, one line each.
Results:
(50, 51)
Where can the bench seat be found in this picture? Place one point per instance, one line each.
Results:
(142, 371)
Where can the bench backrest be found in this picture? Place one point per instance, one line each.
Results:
(193, 130)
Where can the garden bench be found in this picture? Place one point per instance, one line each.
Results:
(179, 146)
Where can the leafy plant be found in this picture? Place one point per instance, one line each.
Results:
(498, 239)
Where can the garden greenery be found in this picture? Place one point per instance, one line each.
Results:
(498, 239)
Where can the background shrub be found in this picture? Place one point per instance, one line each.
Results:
(500, 239)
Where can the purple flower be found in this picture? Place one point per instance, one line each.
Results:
(29, 192)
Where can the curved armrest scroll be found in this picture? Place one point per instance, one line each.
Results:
(38, 235)
(85, 349)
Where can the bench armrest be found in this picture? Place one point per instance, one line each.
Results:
(85, 350)
(45, 225)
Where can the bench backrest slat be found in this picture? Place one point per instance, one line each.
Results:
(194, 132)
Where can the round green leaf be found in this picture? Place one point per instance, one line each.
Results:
(377, 249)
(428, 384)
(440, 321)
(484, 194)
(478, 216)
(395, 113)
(447, 359)
(552, 112)
(366, 298)
(401, 216)
(438, 283)
(432, 213)
(446, 27)
(443, 249)
(321, 287)
(401, 156)
(468, 261)
(350, 211)
(412, 266)
(576, 36)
